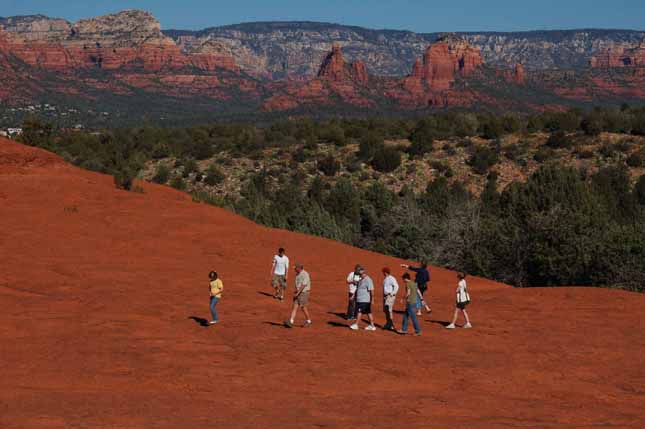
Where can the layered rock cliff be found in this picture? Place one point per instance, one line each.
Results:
(620, 56)
(127, 54)
(295, 48)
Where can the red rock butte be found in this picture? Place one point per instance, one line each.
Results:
(98, 288)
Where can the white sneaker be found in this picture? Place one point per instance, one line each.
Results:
(467, 326)
(451, 326)
(354, 327)
(370, 328)
(212, 322)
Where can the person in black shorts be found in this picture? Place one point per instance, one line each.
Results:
(364, 300)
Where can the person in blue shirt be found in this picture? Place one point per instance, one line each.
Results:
(422, 279)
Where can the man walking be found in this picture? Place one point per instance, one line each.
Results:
(352, 281)
(279, 271)
(390, 288)
(364, 300)
(300, 297)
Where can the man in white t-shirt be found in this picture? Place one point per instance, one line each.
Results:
(390, 289)
(279, 271)
(352, 281)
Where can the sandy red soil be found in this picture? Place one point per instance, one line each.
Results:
(97, 287)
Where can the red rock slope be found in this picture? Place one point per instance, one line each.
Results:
(97, 287)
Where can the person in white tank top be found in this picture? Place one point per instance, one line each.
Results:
(462, 300)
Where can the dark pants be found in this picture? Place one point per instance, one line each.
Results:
(389, 323)
(411, 312)
(351, 307)
(214, 301)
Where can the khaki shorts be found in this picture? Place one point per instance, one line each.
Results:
(279, 281)
(302, 299)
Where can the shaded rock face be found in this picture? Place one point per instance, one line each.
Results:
(620, 56)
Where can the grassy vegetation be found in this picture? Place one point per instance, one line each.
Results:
(530, 200)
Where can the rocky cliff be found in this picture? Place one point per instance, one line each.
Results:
(295, 48)
(282, 66)
(620, 56)
(128, 39)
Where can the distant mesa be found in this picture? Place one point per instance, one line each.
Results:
(620, 56)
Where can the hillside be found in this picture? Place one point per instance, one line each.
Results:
(99, 285)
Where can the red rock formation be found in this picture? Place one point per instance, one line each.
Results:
(620, 57)
(433, 75)
(359, 72)
(445, 59)
(335, 69)
(517, 75)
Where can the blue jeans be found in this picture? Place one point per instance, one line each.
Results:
(411, 312)
(214, 301)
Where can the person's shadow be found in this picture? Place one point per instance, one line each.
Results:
(200, 321)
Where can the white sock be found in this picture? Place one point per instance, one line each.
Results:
(291, 321)
(308, 320)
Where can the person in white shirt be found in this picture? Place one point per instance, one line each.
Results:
(279, 271)
(390, 289)
(463, 299)
(352, 281)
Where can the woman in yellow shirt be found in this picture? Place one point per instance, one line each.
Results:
(216, 287)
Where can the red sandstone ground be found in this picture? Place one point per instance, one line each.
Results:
(97, 286)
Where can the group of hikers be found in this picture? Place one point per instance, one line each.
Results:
(360, 295)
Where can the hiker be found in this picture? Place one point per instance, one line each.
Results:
(279, 271)
(421, 278)
(352, 281)
(300, 296)
(364, 300)
(390, 289)
(412, 296)
(215, 287)
(463, 299)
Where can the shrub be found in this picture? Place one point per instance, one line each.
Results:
(544, 154)
(178, 183)
(482, 159)
(299, 155)
(214, 175)
(190, 166)
(162, 174)
(636, 160)
(420, 147)
(585, 154)
(368, 146)
(328, 165)
(386, 159)
(592, 125)
(559, 140)
(124, 179)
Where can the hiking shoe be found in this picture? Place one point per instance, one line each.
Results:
(402, 332)
(370, 328)
(451, 326)
(212, 322)
(307, 324)
(288, 324)
(417, 334)
(467, 326)
(354, 327)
